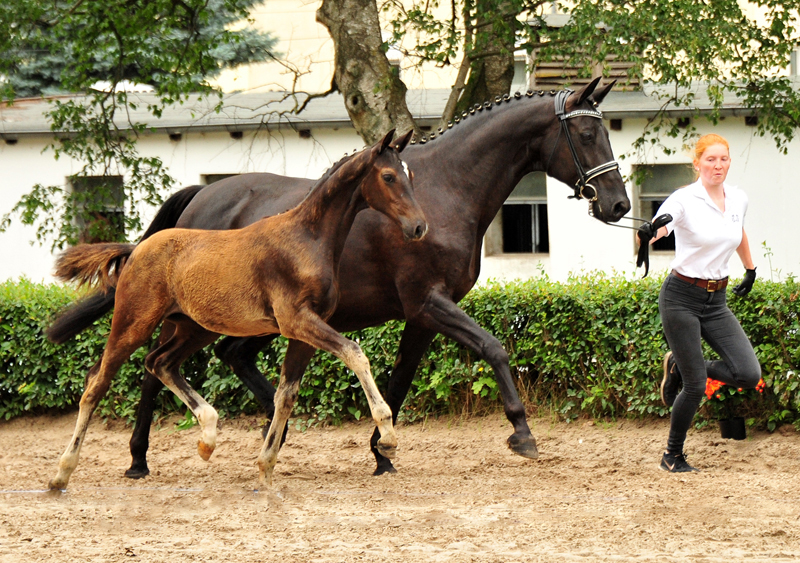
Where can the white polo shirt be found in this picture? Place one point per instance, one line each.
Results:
(705, 237)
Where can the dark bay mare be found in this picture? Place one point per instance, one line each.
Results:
(462, 177)
(278, 275)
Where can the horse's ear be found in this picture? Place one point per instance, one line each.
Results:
(387, 140)
(587, 91)
(401, 143)
(599, 96)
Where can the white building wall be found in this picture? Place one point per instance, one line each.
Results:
(188, 160)
(577, 242)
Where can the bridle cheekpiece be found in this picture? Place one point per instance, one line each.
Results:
(584, 177)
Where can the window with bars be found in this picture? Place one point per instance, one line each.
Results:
(521, 225)
(102, 200)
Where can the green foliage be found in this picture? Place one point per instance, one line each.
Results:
(690, 51)
(591, 346)
(67, 47)
(65, 50)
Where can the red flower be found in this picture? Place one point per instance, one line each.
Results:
(712, 385)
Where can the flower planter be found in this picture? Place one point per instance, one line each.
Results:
(733, 428)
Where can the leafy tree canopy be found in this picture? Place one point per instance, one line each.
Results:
(66, 46)
(712, 47)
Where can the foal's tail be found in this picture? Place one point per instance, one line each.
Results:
(84, 313)
(94, 264)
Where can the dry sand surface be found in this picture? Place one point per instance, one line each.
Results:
(460, 495)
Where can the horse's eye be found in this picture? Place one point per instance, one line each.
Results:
(388, 178)
(587, 138)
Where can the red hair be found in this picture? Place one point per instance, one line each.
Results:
(708, 140)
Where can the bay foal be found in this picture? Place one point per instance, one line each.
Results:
(278, 275)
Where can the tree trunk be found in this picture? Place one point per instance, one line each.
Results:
(374, 95)
(489, 77)
(492, 67)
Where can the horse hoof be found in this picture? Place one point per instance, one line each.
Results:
(526, 447)
(389, 452)
(56, 486)
(204, 450)
(136, 473)
(383, 468)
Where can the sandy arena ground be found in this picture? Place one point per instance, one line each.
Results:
(460, 495)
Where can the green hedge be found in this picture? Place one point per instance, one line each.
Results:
(592, 345)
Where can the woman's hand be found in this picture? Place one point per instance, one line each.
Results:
(747, 283)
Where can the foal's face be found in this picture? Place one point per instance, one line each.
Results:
(388, 189)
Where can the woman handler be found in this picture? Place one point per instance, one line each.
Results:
(708, 222)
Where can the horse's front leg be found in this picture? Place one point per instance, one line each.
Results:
(298, 354)
(441, 314)
(413, 344)
(307, 326)
(241, 354)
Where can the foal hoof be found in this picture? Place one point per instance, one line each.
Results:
(526, 447)
(387, 451)
(204, 450)
(54, 486)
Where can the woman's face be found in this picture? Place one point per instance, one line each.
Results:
(713, 165)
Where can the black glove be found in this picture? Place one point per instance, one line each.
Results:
(747, 283)
(647, 231)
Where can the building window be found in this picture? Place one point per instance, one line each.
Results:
(521, 225)
(211, 178)
(102, 199)
(655, 183)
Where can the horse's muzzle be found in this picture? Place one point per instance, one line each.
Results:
(414, 229)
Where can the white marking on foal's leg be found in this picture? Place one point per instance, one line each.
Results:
(356, 360)
(285, 398)
(69, 459)
(207, 417)
(205, 414)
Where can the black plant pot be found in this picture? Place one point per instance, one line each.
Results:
(733, 428)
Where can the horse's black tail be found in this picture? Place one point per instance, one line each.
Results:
(78, 317)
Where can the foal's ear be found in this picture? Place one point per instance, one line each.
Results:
(599, 96)
(401, 143)
(387, 140)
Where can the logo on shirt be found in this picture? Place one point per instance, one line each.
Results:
(735, 218)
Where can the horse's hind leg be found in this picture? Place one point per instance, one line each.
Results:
(122, 342)
(298, 354)
(165, 361)
(240, 354)
(140, 438)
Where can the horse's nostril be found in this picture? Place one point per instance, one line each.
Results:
(419, 231)
(621, 208)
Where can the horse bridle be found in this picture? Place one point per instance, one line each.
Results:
(584, 177)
